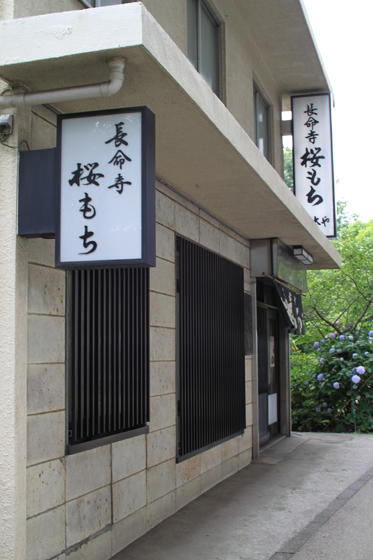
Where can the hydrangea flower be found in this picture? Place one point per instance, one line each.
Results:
(360, 370)
(344, 329)
(314, 375)
(355, 379)
(316, 344)
(354, 386)
(320, 377)
(329, 410)
(341, 338)
(366, 353)
(325, 404)
(342, 359)
(337, 322)
(371, 333)
(332, 336)
(351, 337)
(322, 341)
(318, 409)
(339, 350)
(355, 355)
(332, 350)
(322, 360)
(336, 385)
(350, 325)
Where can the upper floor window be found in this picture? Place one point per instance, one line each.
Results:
(262, 130)
(203, 42)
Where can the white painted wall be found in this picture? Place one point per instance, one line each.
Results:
(13, 350)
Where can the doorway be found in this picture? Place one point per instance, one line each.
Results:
(268, 363)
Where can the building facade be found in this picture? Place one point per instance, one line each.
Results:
(205, 362)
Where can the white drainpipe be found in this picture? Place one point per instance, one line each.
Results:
(105, 89)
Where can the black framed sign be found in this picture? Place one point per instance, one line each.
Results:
(106, 195)
(313, 159)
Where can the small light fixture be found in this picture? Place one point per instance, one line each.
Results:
(302, 255)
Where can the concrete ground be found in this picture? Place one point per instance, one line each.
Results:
(309, 497)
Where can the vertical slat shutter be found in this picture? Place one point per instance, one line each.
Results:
(211, 348)
(108, 328)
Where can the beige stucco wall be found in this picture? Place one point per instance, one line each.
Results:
(241, 60)
(27, 8)
(241, 64)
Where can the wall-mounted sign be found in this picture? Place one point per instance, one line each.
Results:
(290, 309)
(313, 159)
(106, 210)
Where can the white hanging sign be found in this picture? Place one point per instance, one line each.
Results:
(105, 190)
(313, 159)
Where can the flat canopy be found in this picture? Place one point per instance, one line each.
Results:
(283, 35)
(202, 151)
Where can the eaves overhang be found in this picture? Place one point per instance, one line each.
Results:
(202, 151)
(283, 35)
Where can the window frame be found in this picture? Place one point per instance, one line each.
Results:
(117, 370)
(218, 27)
(88, 4)
(257, 93)
(204, 352)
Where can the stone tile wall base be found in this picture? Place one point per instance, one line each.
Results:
(98, 548)
(128, 530)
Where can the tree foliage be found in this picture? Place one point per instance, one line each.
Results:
(337, 297)
(336, 301)
(288, 168)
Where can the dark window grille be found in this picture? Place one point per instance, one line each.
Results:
(108, 352)
(211, 348)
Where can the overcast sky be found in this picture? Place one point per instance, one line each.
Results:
(343, 32)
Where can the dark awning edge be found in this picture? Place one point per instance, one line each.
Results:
(290, 309)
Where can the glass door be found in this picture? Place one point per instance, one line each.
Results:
(268, 372)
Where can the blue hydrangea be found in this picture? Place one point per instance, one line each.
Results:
(318, 409)
(332, 350)
(336, 385)
(329, 410)
(371, 333)
(325, 404)
(354, 386)
(332, 336)
(320, 377)
(337, 322)
(341, 338)
(355, 356)
(322, 360)
(355, 379)
(366, 353)
(339, 350)
(360, 370)
(316, 344)
(353, 370)
(350, 325)
(344, 329)
(322, 341)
